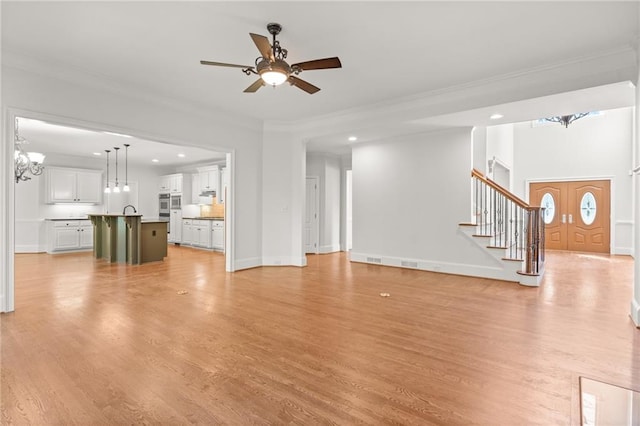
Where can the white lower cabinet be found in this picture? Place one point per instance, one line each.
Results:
(175, 227)
(217, 235)
(203, 233)
(63, 235)
(187, 232)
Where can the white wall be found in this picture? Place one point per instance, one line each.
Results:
(283, 180)
(112, 108)
(409, 195)
(479, 137)
(591, 147)
(500, 149)
(500, 143)
(328, 168)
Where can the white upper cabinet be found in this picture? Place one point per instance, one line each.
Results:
(64, 185)
(195, 188)
(209, 178)
(165, 183)
(224, 184)
(175, 184)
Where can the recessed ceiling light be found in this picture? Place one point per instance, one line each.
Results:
(181, 155)
(118, 134)
(155, 160)
(352, 138)
(496, 116)
(97, 153)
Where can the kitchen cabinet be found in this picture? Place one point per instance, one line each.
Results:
(209, 178)
(224, 184)
(187, 232)
(195, 188)
(196, 233)
(65, 185)
(165, 184)
(175, 227)
(202, 233)
(63, 235)
(217, 235)
(175, 184)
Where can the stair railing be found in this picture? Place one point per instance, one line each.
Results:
(511, 222)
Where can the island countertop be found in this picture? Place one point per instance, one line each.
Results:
(127, 238)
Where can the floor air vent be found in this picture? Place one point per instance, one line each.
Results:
(409, 264)
(374, 260)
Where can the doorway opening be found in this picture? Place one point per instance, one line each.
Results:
(75, 144)
(349, 211)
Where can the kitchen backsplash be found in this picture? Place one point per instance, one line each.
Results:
(213, 210)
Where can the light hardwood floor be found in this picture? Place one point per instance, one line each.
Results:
(93, 343)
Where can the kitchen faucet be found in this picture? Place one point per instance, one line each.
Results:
(124, 211)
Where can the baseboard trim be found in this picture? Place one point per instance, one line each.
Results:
(435, 266)
(627, 251)
(284, 261)
(635, 312)
(29, 248)
(332, 248)
(249, 263)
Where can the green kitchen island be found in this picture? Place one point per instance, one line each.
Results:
(127, 238)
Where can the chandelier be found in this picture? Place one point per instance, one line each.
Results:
(565, 120)
(25, 161)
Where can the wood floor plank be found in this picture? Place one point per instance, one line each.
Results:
(95, 343)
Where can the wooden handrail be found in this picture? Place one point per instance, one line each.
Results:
(477, 174)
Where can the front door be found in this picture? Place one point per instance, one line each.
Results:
(577, 214)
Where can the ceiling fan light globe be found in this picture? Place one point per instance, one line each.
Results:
(274, 78)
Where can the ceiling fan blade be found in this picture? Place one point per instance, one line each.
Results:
(222, 64)
(255, 86)
(262, 43)
(319, 64)
(307, 87)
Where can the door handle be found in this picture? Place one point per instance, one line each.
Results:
(564, 218)
(570, 218)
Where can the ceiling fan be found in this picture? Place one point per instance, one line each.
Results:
(272, 67)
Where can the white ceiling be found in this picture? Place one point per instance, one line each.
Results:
(389, 50)
(51, 138)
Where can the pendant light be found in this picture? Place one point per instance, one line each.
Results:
(116, 188)
(126, 168)
(107, 189)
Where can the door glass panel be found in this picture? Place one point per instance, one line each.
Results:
(549, 205)
(588, 208)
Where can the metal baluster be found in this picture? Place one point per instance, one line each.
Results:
(508, 230)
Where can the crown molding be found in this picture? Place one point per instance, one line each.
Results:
(599, 68)
(76, 75)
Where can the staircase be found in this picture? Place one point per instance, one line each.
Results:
(508, 229)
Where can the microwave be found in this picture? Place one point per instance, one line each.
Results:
(176, 202)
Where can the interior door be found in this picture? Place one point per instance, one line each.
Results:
(311, 216)
(577, 214)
